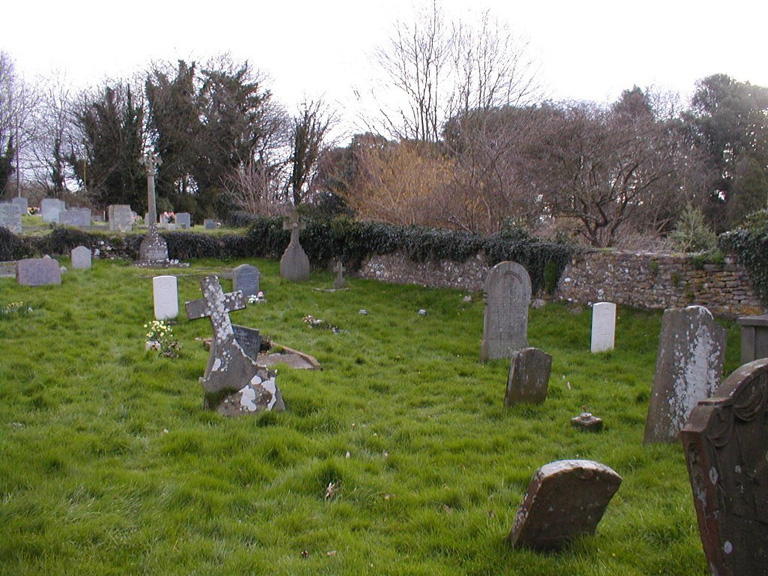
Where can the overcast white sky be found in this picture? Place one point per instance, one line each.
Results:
(586, 49)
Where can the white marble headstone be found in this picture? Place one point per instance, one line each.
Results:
(603, 326)
(166, 297)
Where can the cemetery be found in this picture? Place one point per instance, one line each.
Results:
(432, 438)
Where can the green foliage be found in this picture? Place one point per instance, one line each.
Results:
(751, 244)
(13, 247)
(692, 233)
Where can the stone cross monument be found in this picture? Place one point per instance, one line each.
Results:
(153, 249)
(294, 265)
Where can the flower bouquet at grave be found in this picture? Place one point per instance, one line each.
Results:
(160, 338)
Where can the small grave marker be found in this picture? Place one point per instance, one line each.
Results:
(50, 208)
(38, 272)
(10, 217)
(77, 217)
(81, 258)
(603, 326)
(339, 282)
(165, 293)
(209, 224)
(183, 220)
(246, 279)
(565, 499)
(120, 218)
(505, 321)
(754, 337)
(22, 203)
(528, 380)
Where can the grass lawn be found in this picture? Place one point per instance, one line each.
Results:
(109, 465)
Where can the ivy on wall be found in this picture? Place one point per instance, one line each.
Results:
(750, 243)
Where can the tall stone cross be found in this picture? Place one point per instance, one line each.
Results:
(151, 162)
(292, 223)
(339, 282)
(229, 370)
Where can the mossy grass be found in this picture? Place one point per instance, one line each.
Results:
(396, 458)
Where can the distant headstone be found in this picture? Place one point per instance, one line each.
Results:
(246, 279)
(166, 297)
(603, 326)
(528, 380)
(209, 224)
(505, 321)
(339, 282)
(183, 220)
(249, 340)
(10, 217)
(38, 272)
(50, 208)
(120, 218)
(754, 337)
(8, 269)
(78, 217)
(22, 203)
(565, 499)
(81, 258)
(726, 448)
(233, 383)
(689, 366)
(294, 265)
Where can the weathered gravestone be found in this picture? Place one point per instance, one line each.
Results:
(233, 383)
(603, 326)
(50, 208)
(528, 380)
(339, 282)
(81, 258)
(294, 265)
(726, 451)
(10, 217)
(165, 294)
(565, 499)
(505, 321)
(249, 340)
(209, 224)
(153, 249)
(754, 337)
(22, 203)
(38, 272)
(77, 217)
(120, 218)
(246, 279)
(183, 220)
(689, 367)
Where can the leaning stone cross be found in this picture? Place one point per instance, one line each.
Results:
(292, 223)
(232, 383)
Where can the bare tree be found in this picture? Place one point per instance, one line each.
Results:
(308, 132)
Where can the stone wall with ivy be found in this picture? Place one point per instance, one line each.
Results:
(658, 281)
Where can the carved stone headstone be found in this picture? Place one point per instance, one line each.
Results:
(565, 499)
(339, 282)
(233, 383)
(726, 450)
(78, 217)
(165, 292)
(249, 340)
(603, 326)
(50, 208)
(38, 272)
(689, 367)
(81, 258)
(294, 265)
(10, 217)
(246, 279)
(183, 220)
(22, 203)
(120, 218)
(505, 321)
(528, 380)
(754, 337)
(209, 224)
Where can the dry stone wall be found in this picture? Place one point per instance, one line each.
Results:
(642, 280)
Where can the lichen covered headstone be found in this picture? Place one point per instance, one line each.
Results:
(528, 379)
(233, 383)
(294, 264)
(505, 320)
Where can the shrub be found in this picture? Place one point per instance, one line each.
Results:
(750, 242)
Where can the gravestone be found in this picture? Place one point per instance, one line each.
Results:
(183, 220)
(754, 337)
(339, 282)
(165, 293)
(249, 340)
(22, 203)
(233, 383)
(78, 217)
(209, 224)
(689, 367)
(120, 218)
(50, 208)
(246, 279)
(505, 321)
(528, 380)
(153, 250)
(38, 272)
(603, 326)
(294, 265)
(726, 449)
(565, 499)
(10, 217)
(81, 258)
